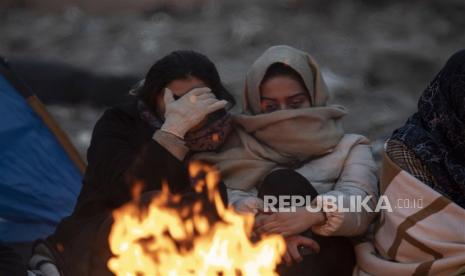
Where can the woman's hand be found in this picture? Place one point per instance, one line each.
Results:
(248, 205)
(183, 114)
(292, 253)
(287, 223)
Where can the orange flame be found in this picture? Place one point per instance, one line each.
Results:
(172, 238)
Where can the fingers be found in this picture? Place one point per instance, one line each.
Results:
(301, 240)
(210, 101)
(202, 97)
(245, 209)
(294, 252)
(168, 96)
(261, 227)
(198, 91)
(265, 219)
(269, 220)
(217, 106)
(270, 228)
(287, 258)
(259, 204)
(295, 242)
(259, 220)
(205, 96)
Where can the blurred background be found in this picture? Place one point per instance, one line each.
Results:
(81, 56)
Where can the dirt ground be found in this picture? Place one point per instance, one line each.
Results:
(376, 57)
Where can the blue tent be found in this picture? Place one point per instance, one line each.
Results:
(40, 170)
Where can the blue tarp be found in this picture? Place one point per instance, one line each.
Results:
(39, 183)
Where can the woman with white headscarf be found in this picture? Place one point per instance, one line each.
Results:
(288, 141)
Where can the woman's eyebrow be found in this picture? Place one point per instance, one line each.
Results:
(269, 99)
(297, 95)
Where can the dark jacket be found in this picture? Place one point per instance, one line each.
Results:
(122, 152)
(10, 262)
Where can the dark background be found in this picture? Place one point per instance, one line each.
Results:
(376, 56)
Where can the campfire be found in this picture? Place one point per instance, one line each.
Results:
(170, 236)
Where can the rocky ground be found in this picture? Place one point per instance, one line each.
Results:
(377, 56)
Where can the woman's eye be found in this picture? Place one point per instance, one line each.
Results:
(296, 104)
(270, 107)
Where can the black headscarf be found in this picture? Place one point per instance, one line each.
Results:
(436, 133)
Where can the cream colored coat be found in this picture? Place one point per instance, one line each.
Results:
(348, 170)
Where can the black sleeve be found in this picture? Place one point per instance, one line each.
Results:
(10, 262)
(117, 160)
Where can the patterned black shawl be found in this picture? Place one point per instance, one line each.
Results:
(436, 133)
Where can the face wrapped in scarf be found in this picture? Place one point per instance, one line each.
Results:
(283, 138)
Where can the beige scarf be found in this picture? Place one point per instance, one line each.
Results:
(286, 138)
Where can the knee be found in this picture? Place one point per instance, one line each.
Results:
(286, 182)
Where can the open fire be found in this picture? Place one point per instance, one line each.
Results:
(198, 237)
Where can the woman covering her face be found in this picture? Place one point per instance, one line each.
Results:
(288, 141)
(178, 110)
